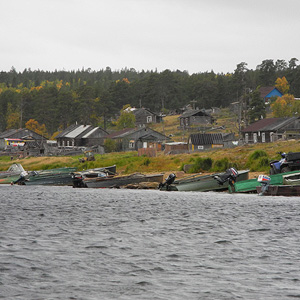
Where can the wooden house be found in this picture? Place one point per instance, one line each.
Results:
(132, 139)
(272, 129)
(14, 139)
(268, 92)
(81, 136)
(144, 116)
(193, 117)
(207, 141)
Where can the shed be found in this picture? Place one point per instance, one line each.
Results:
(206, 141)
(144, 116)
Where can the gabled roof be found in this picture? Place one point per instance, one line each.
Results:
(266, 90)
(206, 138)
(142, 111)
(27, 132)
(118, 133)
(192, 112)
(78, 131)
(270, 124)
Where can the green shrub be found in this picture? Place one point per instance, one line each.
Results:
(146, 161)
(201, 164)
(258, 161)
(110, 145)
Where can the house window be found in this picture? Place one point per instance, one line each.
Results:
(149, 119)
(263, 137)
(68, 143)
(187, 121)
(246, 138)
(254, 137)
(200, 147)
(271, 137)
(145, 144)
(131, 144)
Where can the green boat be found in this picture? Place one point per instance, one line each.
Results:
(249, 186)
(58, 176)
(202, 183)
(12, 174)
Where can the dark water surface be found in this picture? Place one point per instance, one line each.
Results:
(65, 243)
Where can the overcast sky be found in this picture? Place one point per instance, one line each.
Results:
(192, 35)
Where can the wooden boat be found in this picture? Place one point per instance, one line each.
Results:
(78, 177)
(121, 181)
(250, 185)
(12, 174)
(203, 183)
(58, 176)
(280, 190)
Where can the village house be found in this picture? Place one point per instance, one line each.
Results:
(132, 139)
(144, 116)
(207, 141)
(193, 117)
(272, 129)
(14, 139)
(81, 136)
(268, 92)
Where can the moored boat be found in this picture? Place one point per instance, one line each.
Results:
(78, 177)
(121, 181)
(203, 183)
(250, 185)
(12, 174)
(58, 176)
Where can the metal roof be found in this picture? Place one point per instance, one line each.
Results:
(90, 132)
(77, 131)
(206, 138)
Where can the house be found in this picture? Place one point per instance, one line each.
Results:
(132, 139)
(268, 92)
(144, 116)
(81, 136)
(272, 129)
(14, 139)
(206, 141)
(194, 117)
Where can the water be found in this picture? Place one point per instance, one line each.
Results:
(65, 243)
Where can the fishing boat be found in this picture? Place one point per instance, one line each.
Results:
(78, 177)
(58, 176)
(12, 174)
(203, 183)
(110, 181)
(250, 185)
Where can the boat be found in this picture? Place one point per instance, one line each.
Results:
(118, 181)
(12, 174)
(250, 185)
(58, 176)
(78, 177)
(203, 183)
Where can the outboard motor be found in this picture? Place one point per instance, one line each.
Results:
(229, 176)
(265, 182)
(169, 180)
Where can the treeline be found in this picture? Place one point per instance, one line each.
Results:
(60, 98)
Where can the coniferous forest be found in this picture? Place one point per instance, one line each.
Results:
(52, 101)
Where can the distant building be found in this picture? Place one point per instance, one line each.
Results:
(144, 116)
(272, 129)
(193, 117)
(268, 92)
(206, 141)
(132, 139)
(81, 136)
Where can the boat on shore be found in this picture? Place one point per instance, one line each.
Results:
(58, 176)
(121, 181)
(203, 183)
(12, 174)
(78, 177)
(251, 185)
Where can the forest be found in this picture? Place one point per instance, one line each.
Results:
(51, 101)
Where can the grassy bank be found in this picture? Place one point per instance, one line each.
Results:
(253, 157)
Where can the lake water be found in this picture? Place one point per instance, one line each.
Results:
(65, 243)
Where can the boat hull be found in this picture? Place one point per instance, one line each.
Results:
(280, 190)
(202, 183)
(121, 181)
